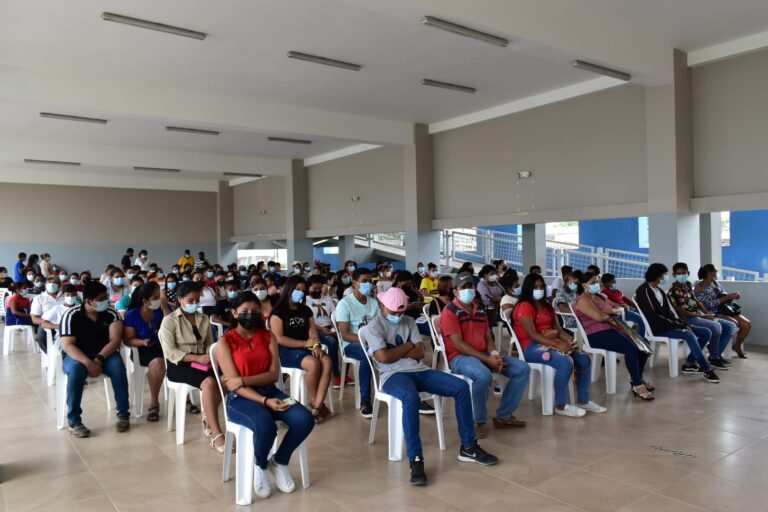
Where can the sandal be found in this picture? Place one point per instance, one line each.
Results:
(649, 386)
(642, 393)
(212, 444)
(316, 413)
(192, 408)
(153, 414)
(206, 429)
(325, 412)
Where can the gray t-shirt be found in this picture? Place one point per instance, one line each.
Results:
(383, 334)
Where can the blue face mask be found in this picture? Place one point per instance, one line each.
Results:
(467, 295)
(176, 271)
(130, 275)
(297, 296)
(518, 290)
(101, 306)
(572, 286)
(209, 274)
(160, 275)
(681, 278)
(422, 270)
(594, 289)
(394, 319)
(189, 308)
(30, 277)
(615, 286)
(538, 294)
(51, 287)
(665, 279)
(74, 281)
(365, 288)
(172, 285)
(232, 294)
(63, 277)
(118, 281)
(271, 269)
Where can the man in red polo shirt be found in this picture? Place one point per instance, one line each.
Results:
(471, 352)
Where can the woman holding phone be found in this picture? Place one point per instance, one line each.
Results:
(250, 365)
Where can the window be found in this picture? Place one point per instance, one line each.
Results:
(725, 229)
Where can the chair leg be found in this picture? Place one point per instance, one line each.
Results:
(531, 384)
(673, 361)
(61, 400)
(655, 355)
(170, 407)
(7, 341)
(356, 371)
(439, 420)
(610, 373)
(343, 374)
(181, 415)
(547, 391)
(304, 465)
(138, 378)
(229, 441)
(51, 369)
(395, 417)
(596, 360)
(570, 391)
(109, 397)
(374, 419)
(244, 461)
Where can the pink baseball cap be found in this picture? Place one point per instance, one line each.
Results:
(394, 299)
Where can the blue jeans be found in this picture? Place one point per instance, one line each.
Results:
(564, 366)
(612, 340)
(405, 386)
(112, 367)
(333, 350)
(517, 372)
(722, 333)
(261, 421)
(697, 338)
(635, 318)
(355, 351)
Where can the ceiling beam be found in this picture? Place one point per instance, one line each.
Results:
(741, 46)
(187, 107)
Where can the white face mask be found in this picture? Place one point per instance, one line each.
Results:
(153, 304)
(261, 294)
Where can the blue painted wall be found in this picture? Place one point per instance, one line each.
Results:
(611, 233)
(749, 241)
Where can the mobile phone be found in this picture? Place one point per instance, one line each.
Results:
(289, 401)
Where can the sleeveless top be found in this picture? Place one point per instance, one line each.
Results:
(593, 326)
(251, 356)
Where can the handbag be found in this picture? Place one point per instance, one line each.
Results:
(625, 330)
(729, 308)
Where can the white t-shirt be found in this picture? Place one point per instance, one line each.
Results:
(322, 309)
(54, 315)
(144, 266)
(43, 302)
(356, 313)
(207, 297)
(659, 293)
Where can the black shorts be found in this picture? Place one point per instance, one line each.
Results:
(184, 373)
(147, 354)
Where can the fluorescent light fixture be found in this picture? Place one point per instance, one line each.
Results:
(524, 174)
(67, 117)
(316, 59)
(151, 25)
(601, 70)
(50, 162)
(243, 174)
(198, 131)
(155, 169)
(455, 28)
(448, 85)
(289, 141)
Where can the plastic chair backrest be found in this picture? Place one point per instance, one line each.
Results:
(507, 317)
(440, 352)
(579, 326)
(364, 345)
(648, 331)
(215, 365)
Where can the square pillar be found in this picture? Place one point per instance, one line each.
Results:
(422, 243)
(226, 251)
(297, 206)
(534, 246)
(674, 237)
(711, 239)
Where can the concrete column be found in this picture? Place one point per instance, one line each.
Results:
(674, 237)
(226, 251)
(297, 206)
(348, 251)
(711, 239)
(422, 243)
(534, 246)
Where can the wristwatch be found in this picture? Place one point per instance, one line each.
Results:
(99, 358)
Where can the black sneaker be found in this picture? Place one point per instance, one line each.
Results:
(718, 364)
(477, 455)
(366, 411)
(712, 377)
(726, 362)
(418, 476)
(79, 430)
(123, 424)
(425, 408)
(691, 369)
(496, 391)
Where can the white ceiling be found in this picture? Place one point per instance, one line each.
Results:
(240, 82)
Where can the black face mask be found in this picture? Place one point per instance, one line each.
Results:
(250, 321)
(316, 294)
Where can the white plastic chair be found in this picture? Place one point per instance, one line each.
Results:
(345, 360)
(176, 404)
(9, 333)
(672, 344)
(3, 295)
(546, 373)
(52, 360)
(395, 411)
(219, 329)
(440, 356)
(244, 456)
(298, 386)
(597, 355)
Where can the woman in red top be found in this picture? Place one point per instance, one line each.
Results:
(248, 357)
(17, 306)
(543, 341)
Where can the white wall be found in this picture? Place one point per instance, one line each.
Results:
(250, 198)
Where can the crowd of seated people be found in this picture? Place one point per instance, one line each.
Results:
(269, 319)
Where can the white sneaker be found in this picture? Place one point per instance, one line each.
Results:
(571, 410)
(283, 479)
(261, 486)
(593, 407)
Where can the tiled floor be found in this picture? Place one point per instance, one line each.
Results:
(697, 447)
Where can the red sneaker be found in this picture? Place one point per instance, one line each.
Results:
(349, 381)
(337, 382)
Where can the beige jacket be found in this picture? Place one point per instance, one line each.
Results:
(178, 338)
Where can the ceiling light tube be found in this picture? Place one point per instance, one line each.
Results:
(155, 169)
(198, 131)
(243, 174)
(601, 70)
(151, 25)
(431, 21)
(448, 85)
(67, 117)
(316, 59)
(50, 162)
(289, 141)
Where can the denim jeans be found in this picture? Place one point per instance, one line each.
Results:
(355, 351)
(564, 366)
(696, 339)
(517, 372)
(722, 333)
(261, 420)
(635, 318)
(112, 367)
(614, 341)
(333, 350)
(405, 386)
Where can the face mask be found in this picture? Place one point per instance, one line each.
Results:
(394, 319)
(518, 290)
(51, 287)
(250, 321)
(186, 255)
(467, 295)
(387, 274)
(298, 270)
(70, 301)
(38, 284)
(493, 278)
(316, 294)
(572, 286)
(615, 286)
(433, 273)
(130, 275)
(271, 269)
(421, 270)
(242, 272)
(351, 268)
(153, 304)
(261, 294)
(63, 277)
(175, 271)
(146, 279)
(209, 274)
(171, 285)
(681, 278)
(232, 294)
(73, 281)
(118, 281)
(185, 278)
(160, 275)
(665, 279)
(297, 296)
(30, 277)
(594, 289)
(101, 306)
(538, 294)
(307, 269)
(189, 308)
(346, 279)
(365, 288)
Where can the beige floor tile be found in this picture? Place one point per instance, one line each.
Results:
(655, 503)
(717, 495)
(405, 499)
(590, 491)
(637, 471)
